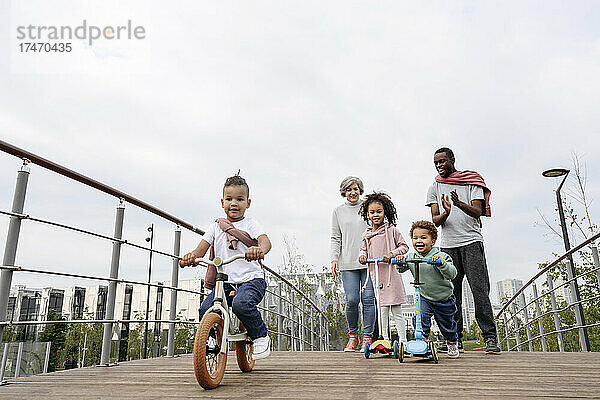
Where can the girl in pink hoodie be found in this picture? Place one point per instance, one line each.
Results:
(383, 240)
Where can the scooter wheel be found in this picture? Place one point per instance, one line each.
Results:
(395, 349)
(367, 345)
(401, 353)
(434, 353)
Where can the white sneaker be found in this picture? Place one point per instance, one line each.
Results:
(262, 348)
(453, 350)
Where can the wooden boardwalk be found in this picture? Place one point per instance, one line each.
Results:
(332, 375)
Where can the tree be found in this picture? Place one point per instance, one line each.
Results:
(10, 333)
(184, 338)
(298, 270)
(56, 334)
(580, 224)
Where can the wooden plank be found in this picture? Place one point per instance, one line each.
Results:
(329, 375)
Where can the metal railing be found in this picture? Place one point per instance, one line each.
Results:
(539, 321)
(295, 315)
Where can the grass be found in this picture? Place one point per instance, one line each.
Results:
(472, 345)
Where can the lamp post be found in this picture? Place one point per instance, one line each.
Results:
(151, 240)
(571, 273)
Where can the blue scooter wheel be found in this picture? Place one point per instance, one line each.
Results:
(395, 349)
(367, 345)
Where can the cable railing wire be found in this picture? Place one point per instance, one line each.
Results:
(517, 321)
(302, 323)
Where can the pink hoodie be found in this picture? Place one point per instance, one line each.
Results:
(384, 240)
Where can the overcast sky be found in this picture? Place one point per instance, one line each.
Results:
(297, 95)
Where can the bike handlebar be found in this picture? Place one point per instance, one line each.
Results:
(218, 261)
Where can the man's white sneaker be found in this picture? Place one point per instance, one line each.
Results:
(453, 350)
(262, 348)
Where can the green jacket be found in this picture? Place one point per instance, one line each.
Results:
(436, 281)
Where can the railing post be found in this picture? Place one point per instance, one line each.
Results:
(561, 345)
(526, 319)
(279, 318)
(312, 329)
(174, 283)
(293, 320)
(577, 307)
(3, 366)
(112, 286)
(497, 335)
(516, 322)
(321, 338)
(506, 330)
(327, 335)
(12, 239)
(301, 324)
(19, 359)
(538, 312)
(47, 358)
(596, 262)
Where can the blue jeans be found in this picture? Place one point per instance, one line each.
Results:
(247, 296)
(443, 311)
(353, 281)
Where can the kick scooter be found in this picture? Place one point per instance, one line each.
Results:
(380, 346)
(419, 347)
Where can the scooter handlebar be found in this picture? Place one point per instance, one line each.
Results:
(373, 260)
(437, 262)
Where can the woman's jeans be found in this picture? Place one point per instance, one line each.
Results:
(353, 281)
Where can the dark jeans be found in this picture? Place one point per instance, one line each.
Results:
(247, 296)
(444, 312)
(469, 261)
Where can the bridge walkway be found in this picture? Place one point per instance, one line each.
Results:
(330, 375)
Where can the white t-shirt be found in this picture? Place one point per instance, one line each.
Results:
(240, 270)
(460, 229)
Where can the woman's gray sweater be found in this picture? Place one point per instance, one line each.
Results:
(347, 228)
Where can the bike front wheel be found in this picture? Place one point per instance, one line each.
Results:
(209, 362)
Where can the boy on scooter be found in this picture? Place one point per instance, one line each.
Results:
(437, 298)
(238, 235)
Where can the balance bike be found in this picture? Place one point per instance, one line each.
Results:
(218, 326)
(419, 347)
(380, 346)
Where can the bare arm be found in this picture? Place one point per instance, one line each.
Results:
(264, 243)
(198, 252)
(437, 218)
(258, 252)
(475, 209)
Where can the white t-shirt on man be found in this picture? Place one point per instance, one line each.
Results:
(239, 271)
(460, 229)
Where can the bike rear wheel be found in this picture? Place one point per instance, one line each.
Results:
(243, 351)
(209, 362)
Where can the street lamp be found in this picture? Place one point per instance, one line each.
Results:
(571, 273)
(151, 240)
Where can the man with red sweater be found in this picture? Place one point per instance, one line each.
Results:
(458, 200)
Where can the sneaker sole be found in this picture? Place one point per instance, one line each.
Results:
(262, 355)
(456, 356)
(492, 352)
